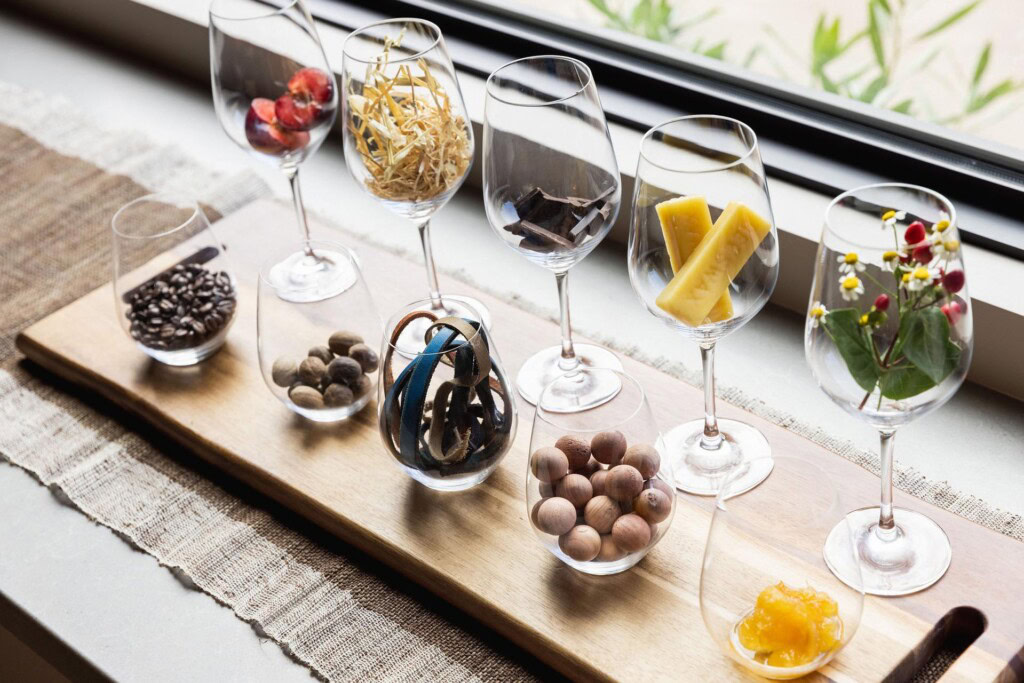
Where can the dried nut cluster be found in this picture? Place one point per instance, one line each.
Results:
(602, 499)
(331, 376)
(181, 308)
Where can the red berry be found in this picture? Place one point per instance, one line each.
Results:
(312, 84)
(906, 258)
(954, 281)
(952, 312)
(295, 114)
(882, 302)
(915, 233)
(923, 254)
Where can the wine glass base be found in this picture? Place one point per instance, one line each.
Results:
(410, 342)
(908, 558)
(575, 394)
(304, 277)
(702, 471)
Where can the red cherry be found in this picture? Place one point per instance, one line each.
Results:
(882, 302)
(906, 258)
(954, 280)
(311, 83)
(952, 312)
(289, 140)
(915, 233)
(923, 254)
(259, 126)
(295, 113)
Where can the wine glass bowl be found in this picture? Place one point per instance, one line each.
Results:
(766, 595)
(889, 338)
(599, 494)
(704, 259)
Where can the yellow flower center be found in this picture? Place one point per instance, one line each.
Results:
(890, 256)
(887, 215)
(864, 319)
(851, 282)
(850, 258)
(921, 273)
(906, 277)
(951, 245)
(942, 225)
(817, 312)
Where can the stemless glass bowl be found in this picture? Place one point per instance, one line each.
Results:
(599, 491)
(773, 535)
(174, 292)
(319, 357)
(445, 407)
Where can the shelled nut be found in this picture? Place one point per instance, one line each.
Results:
(576, 450)
(555, 516)
(624, 482)
(321, 352)
(365, 356)
(338, 395)
(581, 543)
(644, 457)
(306, 397)
(345, 370)
(311, 371)
(362, 385)
(631, 533)
(284, 372)
(608, 447)
(549, 464)
(343, 340)
(576, 489)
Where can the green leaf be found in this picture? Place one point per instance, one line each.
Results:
(716, 51)
(904, 106)
(875, 33)
(846, 333)
(982, 101)
(949, 21)
(613, 18)
(903, 382)
(927, 345)
(699, 19)
(979, 69)
(752, 55)
(874, 87)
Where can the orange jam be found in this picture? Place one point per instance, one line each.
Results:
(791, 626)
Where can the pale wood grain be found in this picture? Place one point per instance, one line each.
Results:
(476, 548)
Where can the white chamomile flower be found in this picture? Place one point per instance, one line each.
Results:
(946, 250)
(817, 314)
(850, 263)
(890, 218)
(850, 287)
(890, 261)
(919, 278)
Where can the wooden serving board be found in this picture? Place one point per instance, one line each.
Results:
(476, 548)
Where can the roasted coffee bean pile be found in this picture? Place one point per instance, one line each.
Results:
(181, 308)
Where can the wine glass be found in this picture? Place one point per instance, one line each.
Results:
(552, 191)
(408, 138)
(889, 338)
(767, 597)
(599, 494)
(703, 259)
(319, 358)
(445, 409)
(174, 293)
(278, 103)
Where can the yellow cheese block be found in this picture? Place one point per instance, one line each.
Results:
(693, 292)
(684, 222)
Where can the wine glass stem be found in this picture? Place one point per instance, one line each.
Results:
(885, 521)
(712, 438)
(568, 361)
(428, 259)
(292, 174)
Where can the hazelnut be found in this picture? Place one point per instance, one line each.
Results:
(576, 449)
(311, 371)
(555, 516)
(608, 447)
(306, 397)
(365, 356)
(599, 481)
(284, 372)
(340, 342)
(609, 551)
(344, 370)
(662, 486)
(549, 464)
(653, 505)
(582, 543)
(601, 512)
(644, 457)
(338, 395)
(362, 385)
(321, 352)
(624, 482)
(576, 489)
(631, 533)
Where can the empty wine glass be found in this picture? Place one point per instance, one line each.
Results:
(275, 96)
(408, 139)
(174, 293)
(319, 357)
(889, 338)
(703, 259)
(767, 597)
(552, 191)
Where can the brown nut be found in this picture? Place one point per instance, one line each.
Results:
(345, 370)
(582, 543)
(576, 449)
(608, 447)
(599, 481)
(362, 385)
(340, 342)
(555, 516)
(306, 397)
(589, 469)
(631, 533)
(284, 372)
(338, 395)
(653, 505)
(644, 457)
(549, 464)
(365, 356)
(609, 551)
(624, 482)
(662, 486)
(321, 352)
(601, 512)
(576, 489)
(311, 371)
(546, 490)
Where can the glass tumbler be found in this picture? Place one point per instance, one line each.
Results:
(599, 489)
(174, 292)
(318, 355)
